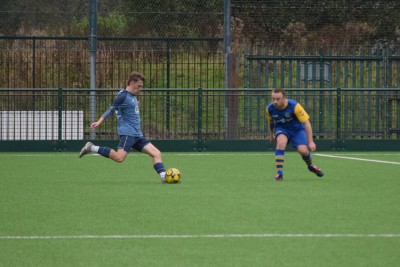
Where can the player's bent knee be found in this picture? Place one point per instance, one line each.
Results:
(302, 150)
(281, 145)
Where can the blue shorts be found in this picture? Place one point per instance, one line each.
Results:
(297, 138)
(127, 142)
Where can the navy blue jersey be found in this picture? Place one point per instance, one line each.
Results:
(127, 112)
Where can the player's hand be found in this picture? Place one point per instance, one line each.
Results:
(312, 146)
(94, 125)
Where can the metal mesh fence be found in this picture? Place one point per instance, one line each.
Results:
(41, 62)
(359, 69)
(302, 25)
(179, 43)
(284, 23)
(306, 46)
(117, 18)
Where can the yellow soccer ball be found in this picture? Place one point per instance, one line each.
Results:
(173, 176)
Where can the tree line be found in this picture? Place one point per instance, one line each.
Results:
(253, 20)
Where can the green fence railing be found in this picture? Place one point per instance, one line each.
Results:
(167, 62)
(200, 118)
(358, 70)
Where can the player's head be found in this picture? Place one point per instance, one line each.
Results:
(135, 77)
(279, 90)
(135, 81)
(278, 96)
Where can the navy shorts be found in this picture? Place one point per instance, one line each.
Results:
(127, 142)
(296, 138)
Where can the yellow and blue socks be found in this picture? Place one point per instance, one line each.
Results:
(279, 160)
(311, 167)
(307, 159)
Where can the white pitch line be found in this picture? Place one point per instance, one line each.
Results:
(360, 159)
(206, 236)
(240, 154)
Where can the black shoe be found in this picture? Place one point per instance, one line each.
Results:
(316, 170)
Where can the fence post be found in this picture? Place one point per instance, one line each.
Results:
(200, 119)
(93, 51)
(168, 101)
(60, 110)
(321, 85)
(232, 128)
(338, 117)
(386, 62)
(33, 62)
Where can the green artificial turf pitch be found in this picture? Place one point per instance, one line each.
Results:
(59, 210)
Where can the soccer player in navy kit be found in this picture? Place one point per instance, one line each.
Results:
(289, 122)
(127, 111)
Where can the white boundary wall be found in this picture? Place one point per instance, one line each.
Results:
(40, 125)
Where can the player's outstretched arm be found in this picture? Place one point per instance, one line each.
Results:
(311, 145)
(271, 131)
(96, 124)
(271, 126)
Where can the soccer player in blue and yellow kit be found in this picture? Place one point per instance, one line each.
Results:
(289, 122)
(127, 111)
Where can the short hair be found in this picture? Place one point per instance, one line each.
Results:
(279, 90)
(135, 77)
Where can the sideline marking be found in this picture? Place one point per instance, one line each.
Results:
(360, 159)
(206, 236)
